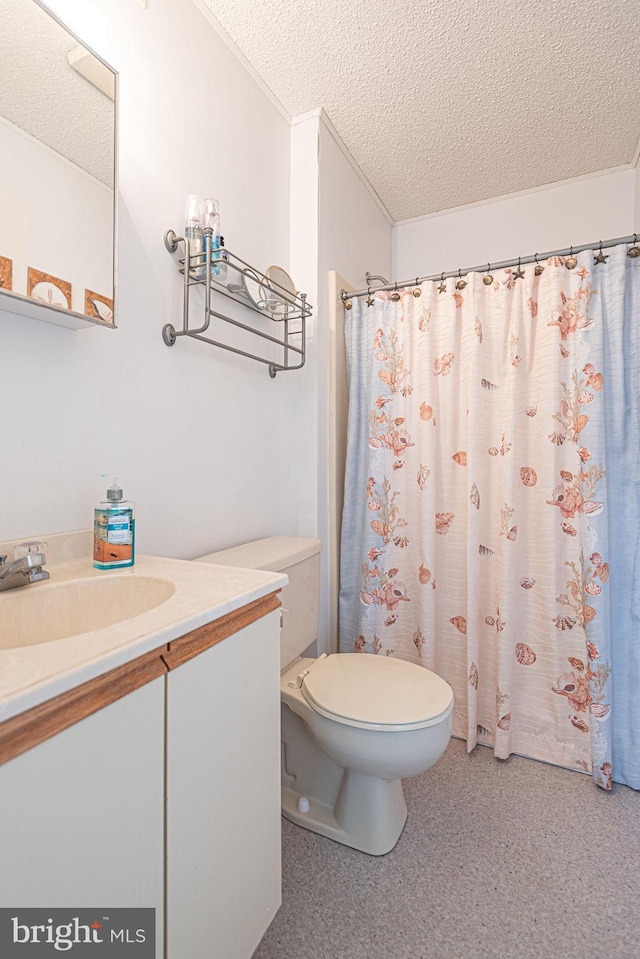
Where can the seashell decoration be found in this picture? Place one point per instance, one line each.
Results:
(484, 550)
(566, 475)
(426, 412)
(588, 612)
(505, 722)
(579, 724)
(599, 710)
(527, 582)
(581, 422)
(528, 475)
(524, 654)
(486, 385)
(512, 534)
(568, 528)
(443, 522)
(594, 589)
(474, 496)
(490, 621)
(493, 451)
(531, 410)
(424, 574)
(460, 458)
(585, 397)
(473, 675)
(557, 438)
(478, 329)
(564, 622)
(592, 508)
(460, 624)
(576, 663)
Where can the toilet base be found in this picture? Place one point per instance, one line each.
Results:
(369, 813)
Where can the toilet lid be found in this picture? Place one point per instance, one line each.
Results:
(376, 692)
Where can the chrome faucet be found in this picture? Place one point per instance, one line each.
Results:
(26, 566)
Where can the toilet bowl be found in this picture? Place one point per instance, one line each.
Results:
(353, 725)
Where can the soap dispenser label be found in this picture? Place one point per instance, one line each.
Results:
(113, 538)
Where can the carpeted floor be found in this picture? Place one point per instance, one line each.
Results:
(498, 860)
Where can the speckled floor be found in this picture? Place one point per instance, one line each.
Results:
(498, 860)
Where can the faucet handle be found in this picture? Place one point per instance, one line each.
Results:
(3, 559)
(33, 546)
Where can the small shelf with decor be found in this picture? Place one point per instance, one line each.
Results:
(221, 273)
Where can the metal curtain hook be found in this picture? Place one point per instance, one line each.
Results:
(572, 262)
(487, 279)
(539, 269)
(416, 290)
(395, 296)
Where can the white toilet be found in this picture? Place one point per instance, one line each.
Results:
(353, 725)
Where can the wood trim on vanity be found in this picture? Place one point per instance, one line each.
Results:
(184, 648)
(29, 729)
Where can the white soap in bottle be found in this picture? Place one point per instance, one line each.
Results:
(113, 530)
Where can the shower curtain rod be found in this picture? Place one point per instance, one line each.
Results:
(520, 261)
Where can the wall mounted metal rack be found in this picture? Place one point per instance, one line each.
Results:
(223, 272)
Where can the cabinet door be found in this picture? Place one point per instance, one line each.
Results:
(223, 796)
(81, 815)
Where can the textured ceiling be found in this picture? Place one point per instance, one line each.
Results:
(446, 104)
(40, 93)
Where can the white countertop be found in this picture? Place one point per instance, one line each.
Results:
(30, 675)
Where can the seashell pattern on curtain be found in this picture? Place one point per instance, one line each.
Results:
(477, 528)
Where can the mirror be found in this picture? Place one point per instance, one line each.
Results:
(57, 171)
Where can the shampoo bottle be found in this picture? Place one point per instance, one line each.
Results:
(211, 219)
(113, 530)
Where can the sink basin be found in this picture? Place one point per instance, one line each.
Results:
(37, 614)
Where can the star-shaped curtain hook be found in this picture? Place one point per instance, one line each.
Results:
(519, 273)
(443, 286)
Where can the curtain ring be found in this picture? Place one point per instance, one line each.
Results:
(487, 279)
(572, 262)
(460, 285)
(370, 300)
(539, 269)
(395, 296)
(416, 290)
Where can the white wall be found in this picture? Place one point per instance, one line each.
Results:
(587, 210)
(55, 217)
(354, 235)
(205, 442)
(636, 220)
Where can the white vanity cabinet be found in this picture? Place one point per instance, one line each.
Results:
(156, 784)
(223, 795)
(81, 813)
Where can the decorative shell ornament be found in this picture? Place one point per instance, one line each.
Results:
(417, 291)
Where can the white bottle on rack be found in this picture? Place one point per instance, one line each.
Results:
(193, 218)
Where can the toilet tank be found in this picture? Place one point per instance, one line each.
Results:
(299, 559)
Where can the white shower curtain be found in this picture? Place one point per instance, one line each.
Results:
(475, 533)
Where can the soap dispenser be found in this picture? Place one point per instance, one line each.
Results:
(113, 530)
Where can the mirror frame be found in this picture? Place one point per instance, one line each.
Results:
(22, 305)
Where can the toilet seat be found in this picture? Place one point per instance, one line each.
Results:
(374, 692)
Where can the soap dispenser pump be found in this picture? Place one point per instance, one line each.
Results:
(113, 530)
